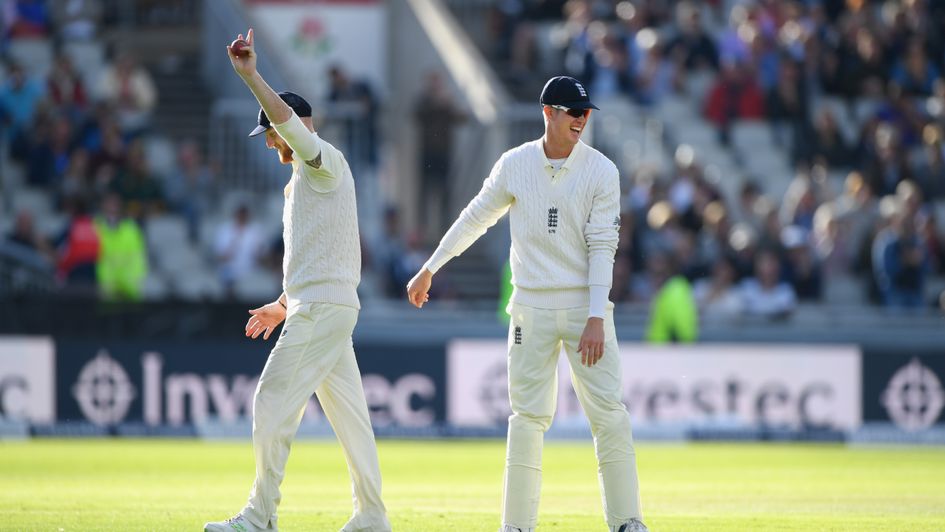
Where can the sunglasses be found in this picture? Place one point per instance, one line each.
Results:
(574, 113)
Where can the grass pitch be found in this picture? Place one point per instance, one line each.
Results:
(176, 485)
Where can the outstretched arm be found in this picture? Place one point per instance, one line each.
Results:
(482, 213)
(245, 66)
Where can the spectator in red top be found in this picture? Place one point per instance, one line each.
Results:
(78, 251)
(65, 88)
(735, 95)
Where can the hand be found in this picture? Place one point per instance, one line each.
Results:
(591, 345)
(245, 66)
(264, 320)
(418, 288)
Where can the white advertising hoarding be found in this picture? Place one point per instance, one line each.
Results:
(778, 386)
(27, 379)
(311, 36)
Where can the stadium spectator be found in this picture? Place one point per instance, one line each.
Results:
(76, 179)
(77, 20)
(888, 166)
(78, 250)
(19, 100)
(802, 269)
(930, 163)
(673, 314)
(25, 237)
(915, 74)
(190, 186)
(832, 242)
(104, 139)
(25, 18)
(786, 106)
(766, 295)
(238, 248)
(717, 295)
(607, 68)
(65, 88)
(900, 261)
(827, 145)
(123, 257)
(136, 184)
(655, 74)
(362, 110)
(437, 117)
(734, 96)
(800, 201)
(50, 151)
(128, 87)
(692, 42)
(386, 254)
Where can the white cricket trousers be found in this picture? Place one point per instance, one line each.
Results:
(314, 354)
(535, 340)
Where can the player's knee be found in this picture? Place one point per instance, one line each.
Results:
(526, 421)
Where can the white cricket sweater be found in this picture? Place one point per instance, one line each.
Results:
(322, 262)
(564, 224)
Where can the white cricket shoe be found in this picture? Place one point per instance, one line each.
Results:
(633, 525)
(510, 528)
(238, 523)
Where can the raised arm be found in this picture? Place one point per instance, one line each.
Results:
(245, 66)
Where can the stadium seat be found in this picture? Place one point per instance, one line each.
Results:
(35, 55)
(33, 200)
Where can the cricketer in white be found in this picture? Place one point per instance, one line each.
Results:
(563, 199)
(314, 353)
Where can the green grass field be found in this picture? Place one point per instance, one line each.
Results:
(176, 485)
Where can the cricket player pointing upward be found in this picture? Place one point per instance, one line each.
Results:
(314, 354)
(564, 203)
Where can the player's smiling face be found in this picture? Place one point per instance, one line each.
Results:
(565, 127)
(275, 142)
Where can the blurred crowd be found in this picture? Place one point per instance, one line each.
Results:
(852, 92)
(94, 201)
(853, 95)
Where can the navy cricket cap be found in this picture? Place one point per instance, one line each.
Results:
(293, 100)
(567, 92)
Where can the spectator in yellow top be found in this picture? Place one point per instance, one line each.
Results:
(123, 259)
(673, 314)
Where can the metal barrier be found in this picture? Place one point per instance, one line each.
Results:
(246, 164)
(23, 272)
(136, 14)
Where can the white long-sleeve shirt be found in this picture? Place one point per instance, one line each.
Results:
(322, 262)
(564, 224)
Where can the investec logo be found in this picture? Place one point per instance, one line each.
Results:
(105, 392)
(914, 397)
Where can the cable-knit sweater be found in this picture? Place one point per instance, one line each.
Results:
(322, 262)
(564, 224)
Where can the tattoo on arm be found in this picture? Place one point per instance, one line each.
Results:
(315, 163)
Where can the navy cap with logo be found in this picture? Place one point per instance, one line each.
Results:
(566, 92)
(293, 100)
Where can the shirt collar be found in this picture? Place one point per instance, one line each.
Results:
(572, 159)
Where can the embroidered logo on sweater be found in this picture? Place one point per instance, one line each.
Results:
(553, 220)
(617, 221)
(518, 336)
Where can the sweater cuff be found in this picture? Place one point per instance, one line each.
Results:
(437, 260)
(597, 306)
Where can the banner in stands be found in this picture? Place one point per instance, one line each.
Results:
(776, 386)
(27, 378)
(313, 36)
(905, 388)
(178, 382)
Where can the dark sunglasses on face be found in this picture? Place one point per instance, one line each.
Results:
(574, 113)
